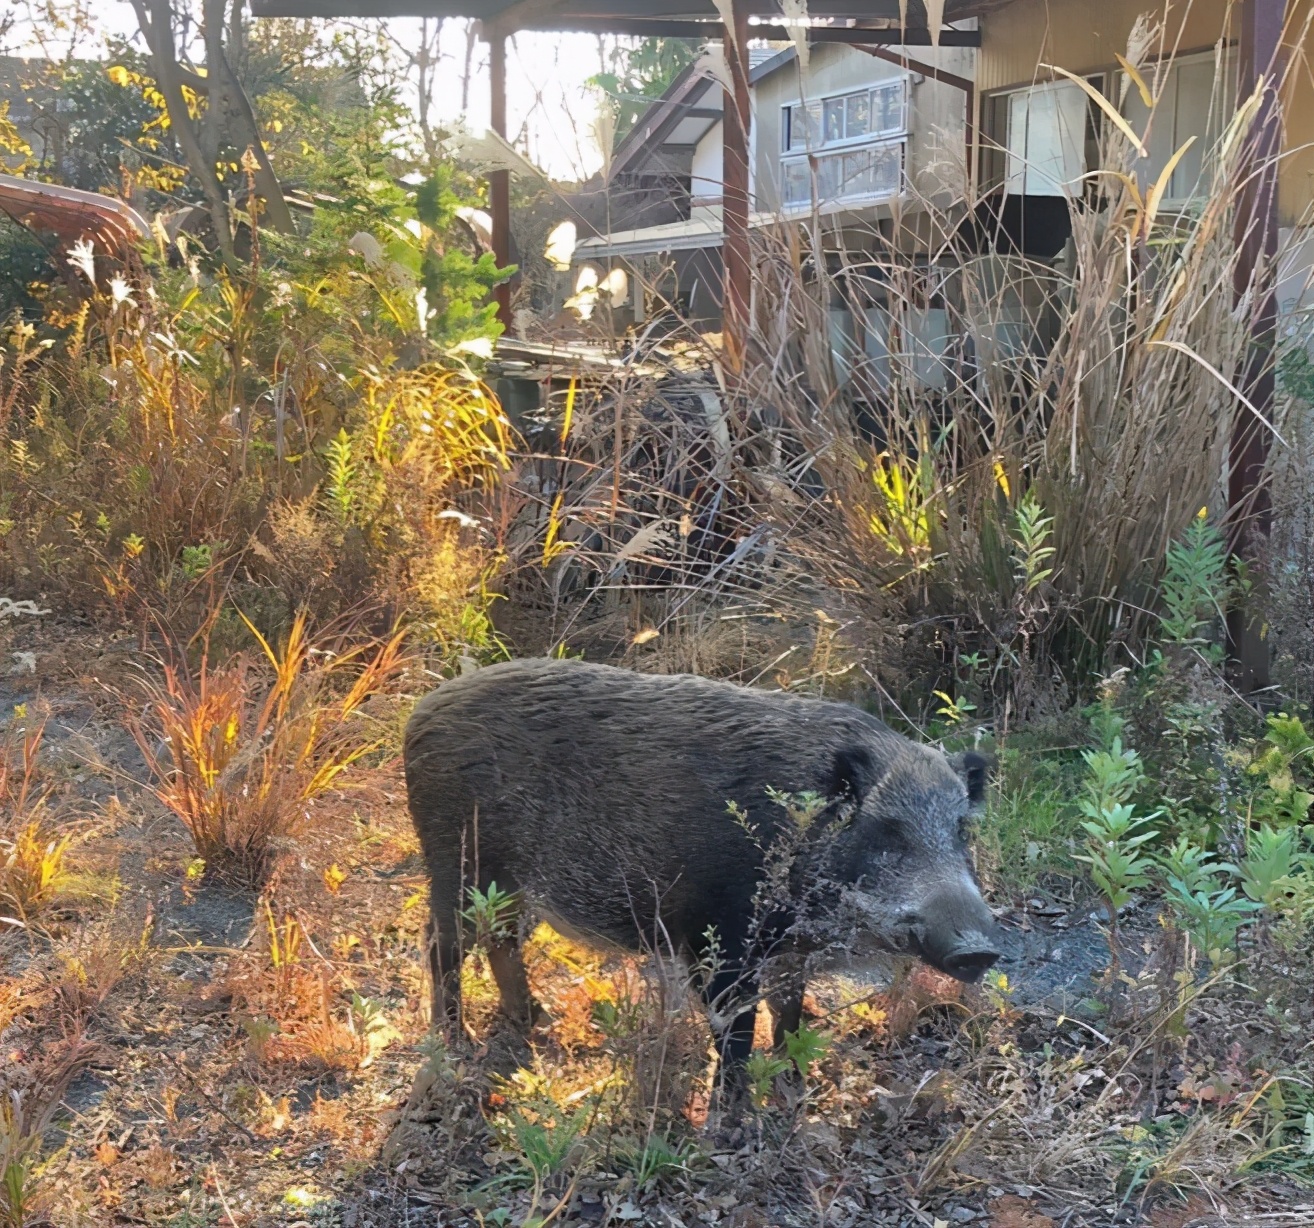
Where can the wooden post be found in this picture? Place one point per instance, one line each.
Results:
(736, 297)
(1250, 512)
(499, 182)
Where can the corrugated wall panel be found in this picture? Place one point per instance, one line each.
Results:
(1082, 36)
(1296, 178)
(1086, 37)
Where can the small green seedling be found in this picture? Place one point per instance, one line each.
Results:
(763, 1069)
(805, 1047)
(1114, 853)
(1032, 531)
(491, 914)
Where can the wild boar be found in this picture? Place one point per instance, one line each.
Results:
(642, 811)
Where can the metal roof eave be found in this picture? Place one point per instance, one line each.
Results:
(689, 89)
(689, 235)
(704, 232)
(511, 15)
(686, 90)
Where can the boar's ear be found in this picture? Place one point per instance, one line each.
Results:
(975, 769)
(853, 773)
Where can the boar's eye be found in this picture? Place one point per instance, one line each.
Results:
(889, 837)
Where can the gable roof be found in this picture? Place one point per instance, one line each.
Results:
(690, 108)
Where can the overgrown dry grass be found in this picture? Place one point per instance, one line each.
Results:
(33, 864)
(241, 750)
(32, 846)
(33, 1091)
(236, 1031)
(163, 460)
(1004, 496)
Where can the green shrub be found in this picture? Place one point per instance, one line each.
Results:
(1196, 585)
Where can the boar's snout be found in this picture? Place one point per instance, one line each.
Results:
(971, 958)
(955, 933)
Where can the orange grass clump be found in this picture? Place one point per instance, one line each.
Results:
(239, 754)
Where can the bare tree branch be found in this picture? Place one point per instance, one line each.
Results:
(471, 33)
(194, 81)
(426, 64)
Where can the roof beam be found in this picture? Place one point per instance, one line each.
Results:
(665, 27)
(522, 14)
(694, 87)
(1254, 283)
(499, 181)
(736, 254)
(908, 64)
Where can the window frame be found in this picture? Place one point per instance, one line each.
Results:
(993, 137)
(895, 137)
(1224, 65)
(995, 149)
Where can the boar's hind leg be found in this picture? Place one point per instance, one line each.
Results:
(787, 1014)
(443, 951)
(786, 1002)
(512, 984)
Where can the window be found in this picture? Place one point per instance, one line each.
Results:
(843, 348)
(1046, 137)
(1194, 99)
(1046, 140)
(849, 117)
(856, 141)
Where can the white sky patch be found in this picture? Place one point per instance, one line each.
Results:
(550, 108)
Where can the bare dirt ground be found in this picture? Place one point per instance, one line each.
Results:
(263, 1061)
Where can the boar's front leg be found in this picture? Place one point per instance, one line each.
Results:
(734, 1042)
(733, 983)
(786, 1002)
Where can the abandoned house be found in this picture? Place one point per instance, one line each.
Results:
(861, 139)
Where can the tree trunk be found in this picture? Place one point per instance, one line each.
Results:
(157, 29)
(229, 105)
(214, 129)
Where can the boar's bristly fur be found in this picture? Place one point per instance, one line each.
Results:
(602, 799)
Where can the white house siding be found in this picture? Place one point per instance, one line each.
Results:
(935, 118)
(707, 181)
(707, 174)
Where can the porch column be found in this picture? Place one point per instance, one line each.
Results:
(1250, 513)
(499, 182)
(737, 289)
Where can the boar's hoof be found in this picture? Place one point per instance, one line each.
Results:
(731, 1107)
(539, 1019)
